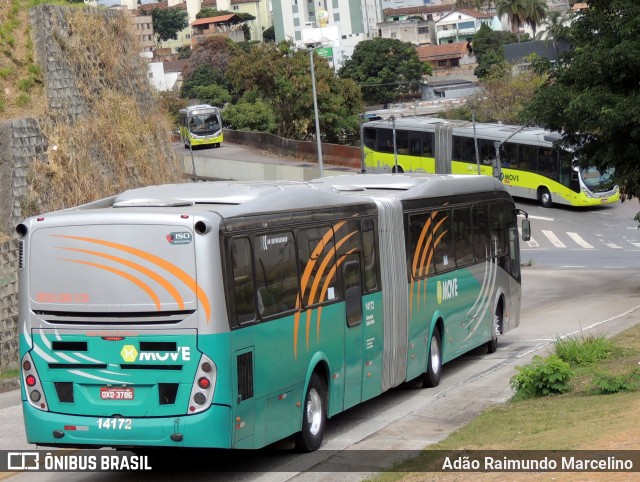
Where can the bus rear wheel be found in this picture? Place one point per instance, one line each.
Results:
(397, 169)
(314, 416)
(544, 196)
(431, 378)
(492, 344)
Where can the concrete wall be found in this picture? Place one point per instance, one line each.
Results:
(9, 255)
(334, 154)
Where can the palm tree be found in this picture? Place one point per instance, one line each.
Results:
(536, 12)
(515, 10)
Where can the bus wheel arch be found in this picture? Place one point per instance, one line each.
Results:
(397, 169)
(314, 412)
(431, 378)
(497, 325)
(544, 197)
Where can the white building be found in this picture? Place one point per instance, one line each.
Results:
(338, 24)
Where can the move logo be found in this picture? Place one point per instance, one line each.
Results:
(179, 238)
(130, 354)
(445, 290)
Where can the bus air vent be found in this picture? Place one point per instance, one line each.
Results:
(64, 391)
(20, 254)
(167, 393)
(245, 376)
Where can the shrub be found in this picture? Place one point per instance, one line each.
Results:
(580, 350)
(606, 384)
(542, 377)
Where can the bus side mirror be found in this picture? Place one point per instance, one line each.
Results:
(526, 230)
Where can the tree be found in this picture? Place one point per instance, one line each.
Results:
(281, 77)
(203, 75)
(251, 113)
(216, 52)
(592, 95)
(212, 94)
(488, 48)
(167, 22)
(536, 13)
(515, 10)
(385, 68)
(269, 35)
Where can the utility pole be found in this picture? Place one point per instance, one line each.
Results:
(315, 110)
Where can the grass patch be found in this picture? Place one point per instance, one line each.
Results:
(9, 374)
(577, 420)
(581, 349)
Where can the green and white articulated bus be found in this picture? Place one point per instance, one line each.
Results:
(233, 315)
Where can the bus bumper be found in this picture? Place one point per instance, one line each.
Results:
(210, 429)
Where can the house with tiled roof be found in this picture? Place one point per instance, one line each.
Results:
(412, 24)
(446, 56)
(229, 26)
(462, 24)
(427, 12)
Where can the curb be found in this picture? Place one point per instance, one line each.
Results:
(8, 384)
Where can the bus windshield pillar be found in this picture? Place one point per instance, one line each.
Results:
(497, 166)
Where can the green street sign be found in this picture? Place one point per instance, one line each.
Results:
(325, 52)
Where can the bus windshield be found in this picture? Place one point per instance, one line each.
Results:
(203, 124)
(597, 181)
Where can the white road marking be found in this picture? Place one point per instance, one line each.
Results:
(532, 243)
(553, 238)
(581, 242)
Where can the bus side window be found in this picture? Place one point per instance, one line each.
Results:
(420, 243)
(352, 290)
(242, 271)
(276, 273)
(369, 135)
(496, 222)
(528, 158)
(463, 243)
(443, 255)
(480, 216)
(370, 257)
(315, 250)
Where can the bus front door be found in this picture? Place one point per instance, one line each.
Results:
(354, 338)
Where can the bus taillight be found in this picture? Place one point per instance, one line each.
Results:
(32, 385)
(203, 386)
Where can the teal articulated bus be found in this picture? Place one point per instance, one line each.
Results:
(233, 315)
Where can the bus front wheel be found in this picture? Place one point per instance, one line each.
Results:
(314, 415)
(431, 377)
(545, 197)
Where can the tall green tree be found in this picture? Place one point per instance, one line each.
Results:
(167, 22)
(488, 46)
(536, 13)
(215, 52)
(592, 96)
(515, 10)
(385, 68)
(281, 76)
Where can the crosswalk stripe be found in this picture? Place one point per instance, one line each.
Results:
(581, 242)
(553, 238)
(532, 243)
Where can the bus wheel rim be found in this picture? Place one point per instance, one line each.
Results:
(314, 412)
(435, 355)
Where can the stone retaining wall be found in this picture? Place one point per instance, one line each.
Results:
(9, 256)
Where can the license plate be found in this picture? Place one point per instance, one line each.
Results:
(116, 393)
